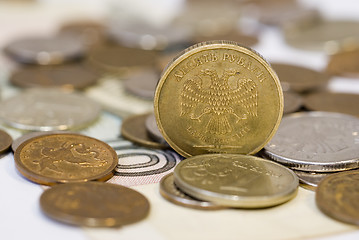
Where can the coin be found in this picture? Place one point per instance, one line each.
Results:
(344, 64)
(94, 204)
(153, 131)
(236, 180)
(218, 97)
(310, 180)
(292, 102)
(133, 128)
(142, 83)
(172, 193)
(63, 158)
(66, 75)
(300, 79)
(337, 196)
(243, 39)
(333, 102)
(5, 141)
(316, 142)
(46, 51)
(48, 110)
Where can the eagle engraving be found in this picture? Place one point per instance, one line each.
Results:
(220, 101)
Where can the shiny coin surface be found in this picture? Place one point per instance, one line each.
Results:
(5, 141)
(218, 97)
(310, 180)
(316, 142)
(142, 83)
(94, 204)
(152, 129)
(292, 102)
(172, 193)
(333, 102)
(344, 64)
(134, 129)
(48, 110)
(64, 158)
(236, 180)
(46, 51)
(337, 196)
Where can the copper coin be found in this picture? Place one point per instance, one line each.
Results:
(292, 102)
(134, 129)
(94, 204)
(5, 141)
(344, 64)
(337, 196)
(64, 158)
(333, 102)
(142, 83)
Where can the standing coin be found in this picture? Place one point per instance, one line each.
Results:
(153, 130)
(94, 204)
(218, 97)
(5, 141)
(236, 180)
(63, 158)
(337, 196)
(142, 83)
(344, 64)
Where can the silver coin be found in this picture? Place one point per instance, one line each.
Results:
(292, 102)
(48, 110)
(317, 142)
(142, 83)
(153, 130)
(310, 180)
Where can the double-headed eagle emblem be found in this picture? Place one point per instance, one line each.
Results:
(222, 102)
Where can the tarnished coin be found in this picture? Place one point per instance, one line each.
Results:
(344, 64)
(333, 102)
(310, 180)
(152, 129)
(236, 180)
(218, 97)
(337, 196)
(316, 142)
(94, 204)
(142, 83)
(292, 102)
(134, 129)
(64, 158)
(46, 51)
(300, 79)
(66, 76)
(5, 141)
(172, 193)
(48, 110)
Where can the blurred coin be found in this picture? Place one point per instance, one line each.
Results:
(333, 102)
(299, 79)
(133, 128)
(316, 142)
(172, 193)
(94, 204)
(292, 102)
(153, 131)
(236, 36)
(337, 196)
(64, 158)
(344, 64)
(310, 180)
(47, 110)
(5, 141)
(142, 83)
(67, 76)
(236, 180)
(46, 51)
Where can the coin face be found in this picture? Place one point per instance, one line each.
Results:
(292, 102)
(337, 196)
(94, 204)
(5, 141)
(344, 64)
(316, 142)
(218, 97)
(236, 180)
(63, 158)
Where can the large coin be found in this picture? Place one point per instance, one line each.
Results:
(63, 158)
(316, 142)
(94, 204)
(337, 196)
(344, 64)
(236, 180)
(218, 97)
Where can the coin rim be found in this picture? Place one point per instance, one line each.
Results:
(8, 141)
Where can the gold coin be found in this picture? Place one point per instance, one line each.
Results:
(236, 180)
(64, 158)
(5, 141)
(337, 196)
(218, 97)
(94, 204)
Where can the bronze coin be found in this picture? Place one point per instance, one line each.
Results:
(64, 158)
(337, 196)
(5, 141)
(94, 204)
(134, 129)
(344, 64)
(292, 102)
(142, 83)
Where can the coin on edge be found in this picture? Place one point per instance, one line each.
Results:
(218, 97)
(64, 158)
(236, 180)
(337, 196)
(94, 204)
(5, 141)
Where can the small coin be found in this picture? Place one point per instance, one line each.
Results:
(134, 129)
(292, 102)
(337, 196)
(5, 141)
(236, 180)
(333, 102)
(172, 193)
(218, 97)
(142, 83)
(316, 142)
(300, 79)
(63, 158)
(94, 204)
(310, 180)
(344, 64)
(152, 129)
(48, 110)
(243, 39)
